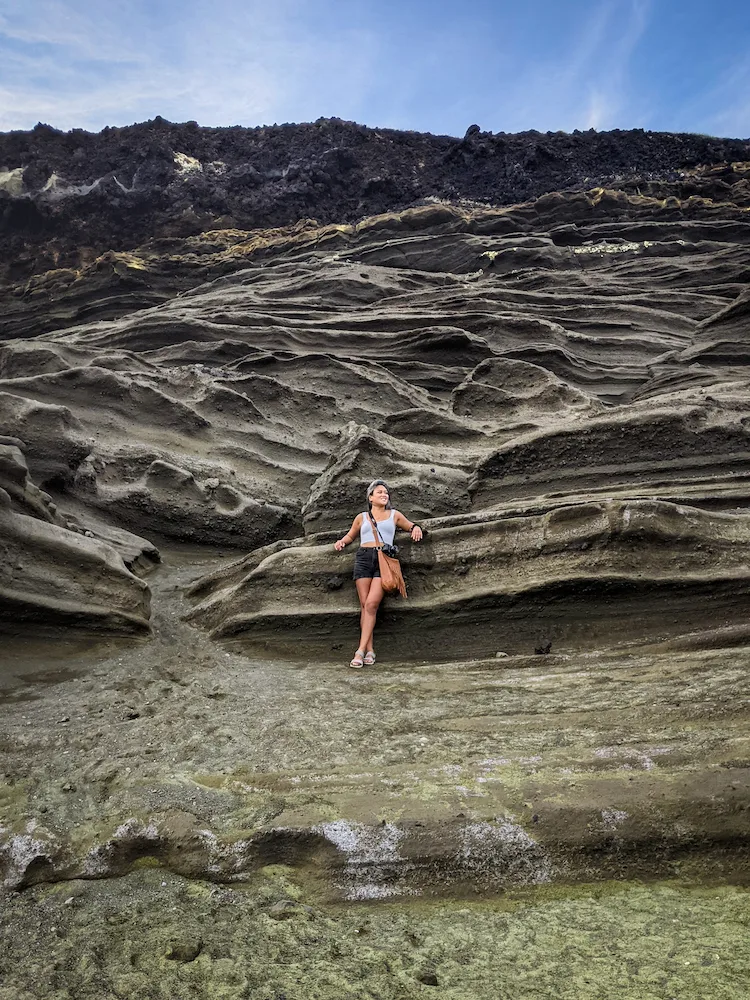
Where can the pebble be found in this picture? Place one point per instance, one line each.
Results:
(286, 908)
(184, 949)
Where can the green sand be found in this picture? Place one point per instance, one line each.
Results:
(155, 936)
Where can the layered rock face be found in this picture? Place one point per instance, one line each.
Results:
(557, 389)
(53, 571)
(557, 372)
(585, 576)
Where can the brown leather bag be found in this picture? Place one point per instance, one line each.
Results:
(391, 577)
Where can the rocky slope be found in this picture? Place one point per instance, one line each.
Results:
(557, 388)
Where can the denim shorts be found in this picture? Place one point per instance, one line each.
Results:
(366, 564)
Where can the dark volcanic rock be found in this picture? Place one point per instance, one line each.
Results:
(67, 197)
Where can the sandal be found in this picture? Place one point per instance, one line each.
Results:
(369, 658)
(357, 660)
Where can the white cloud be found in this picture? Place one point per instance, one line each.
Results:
(587, 85)
(600, 111)
(69, 27)
(234, 62)
(725, 108)
(78, 63)
(610, 93)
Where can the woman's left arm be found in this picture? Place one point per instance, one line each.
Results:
(407, 525)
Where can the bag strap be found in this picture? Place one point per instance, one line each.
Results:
(375, 528)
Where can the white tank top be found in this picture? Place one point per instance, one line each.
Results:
(386, 529)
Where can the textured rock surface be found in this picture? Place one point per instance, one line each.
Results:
(414, 778)
(489, 363)
(619, 941)
(557, 389)
(582, 576)
(53, 571)
(67, 197)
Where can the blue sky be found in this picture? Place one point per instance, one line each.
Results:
(428, 65)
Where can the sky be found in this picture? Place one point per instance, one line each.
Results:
(428, 65)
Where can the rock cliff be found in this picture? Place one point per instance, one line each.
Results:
(54, 572)
(215, 339)
(67, 196)
(529, 365)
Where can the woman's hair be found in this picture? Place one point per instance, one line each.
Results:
(371, 487)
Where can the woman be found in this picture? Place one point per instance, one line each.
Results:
(366, 570)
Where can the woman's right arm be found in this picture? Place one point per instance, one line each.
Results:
(350, 535)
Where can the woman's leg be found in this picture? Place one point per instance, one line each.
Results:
(363, 589)
(370, 606)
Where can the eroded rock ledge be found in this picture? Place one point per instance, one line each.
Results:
(54, 571)
(582, 576)
(428, 851)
